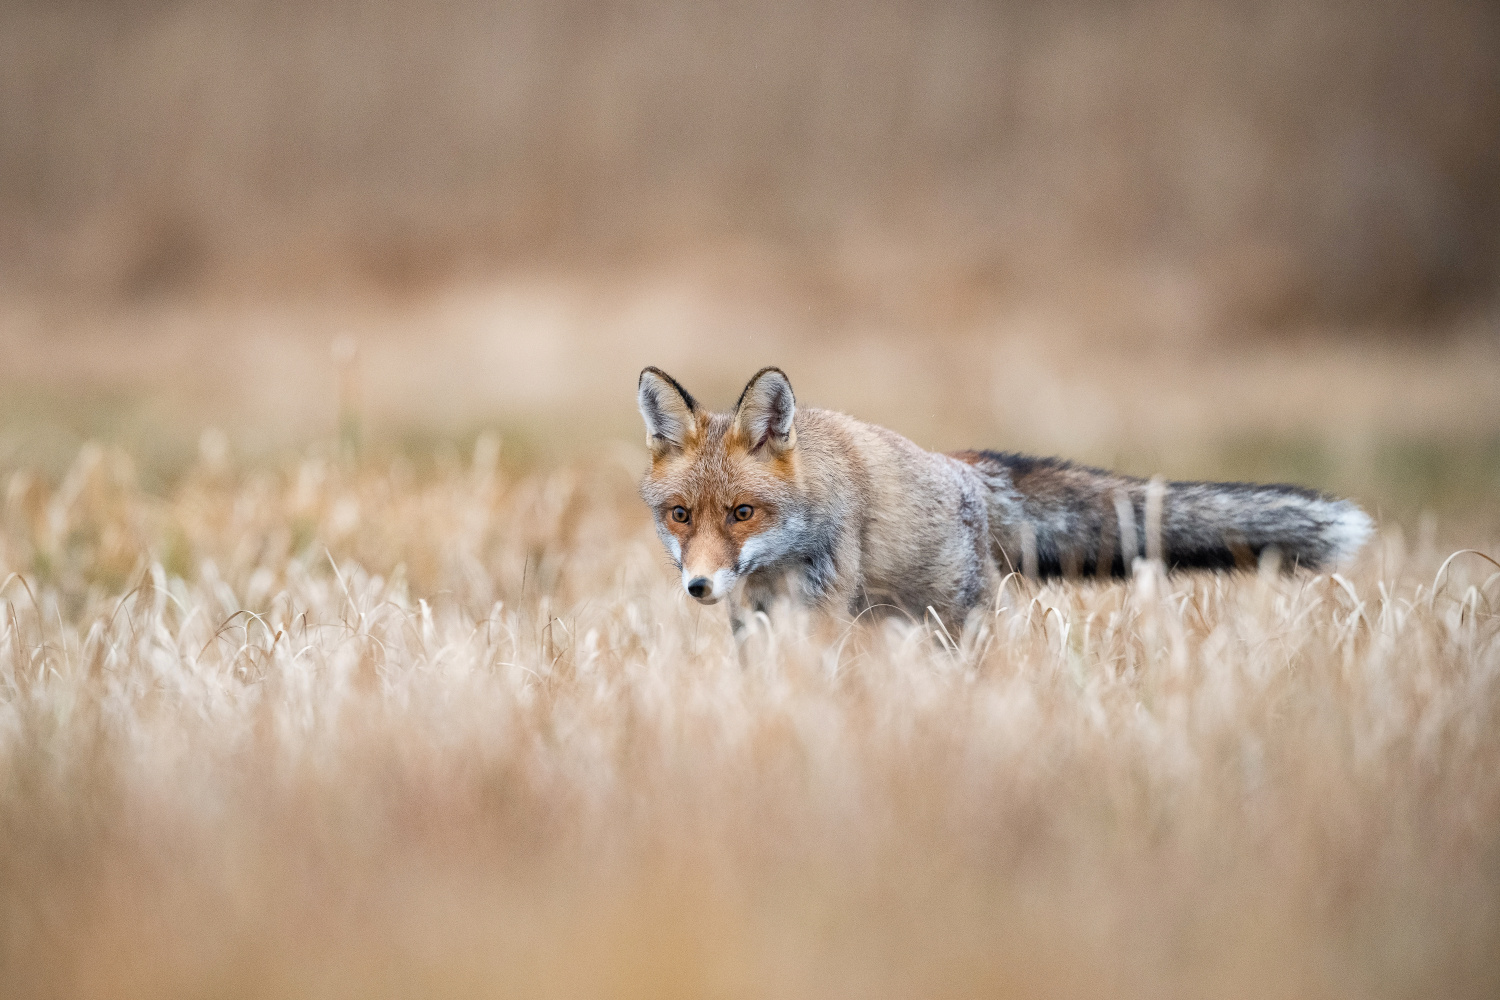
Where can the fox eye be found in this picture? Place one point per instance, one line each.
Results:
(743, 512)
(680, 515)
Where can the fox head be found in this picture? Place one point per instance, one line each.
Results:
(723, 487)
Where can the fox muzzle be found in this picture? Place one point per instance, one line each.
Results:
(708, 589)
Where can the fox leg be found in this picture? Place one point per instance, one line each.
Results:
(739, 626)
(831, 587)
(750, 599)
(739, 621)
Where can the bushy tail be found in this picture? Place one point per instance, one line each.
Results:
(1049, 517)
(1225, 524)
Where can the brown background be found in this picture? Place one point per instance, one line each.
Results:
(1211, 238)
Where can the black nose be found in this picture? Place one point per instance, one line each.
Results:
(698, 586)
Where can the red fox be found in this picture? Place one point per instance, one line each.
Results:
(844, 516)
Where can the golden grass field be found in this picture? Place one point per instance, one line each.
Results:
(338, 657)
(330, 726)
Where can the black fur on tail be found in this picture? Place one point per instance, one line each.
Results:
(1049, 517)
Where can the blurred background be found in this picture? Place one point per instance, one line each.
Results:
(1256, 239)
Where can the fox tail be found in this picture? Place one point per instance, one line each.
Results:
(1050, 517)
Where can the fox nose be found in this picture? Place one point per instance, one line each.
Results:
(699, 586)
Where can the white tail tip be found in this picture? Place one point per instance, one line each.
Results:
(1350, 529)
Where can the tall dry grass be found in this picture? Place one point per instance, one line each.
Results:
(343, 729)
(1286, 159)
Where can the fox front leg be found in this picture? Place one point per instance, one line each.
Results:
(748, 617)
(744, 625)
(740, 628)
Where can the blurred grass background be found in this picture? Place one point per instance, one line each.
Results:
(1254, 240)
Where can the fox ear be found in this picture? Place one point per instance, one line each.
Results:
(670, 412)
(763, 416)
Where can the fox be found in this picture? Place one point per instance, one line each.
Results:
(774, 500)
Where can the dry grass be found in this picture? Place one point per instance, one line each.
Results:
(494, 753)
(434, 726)
(1404, 421)
(1284, 160)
